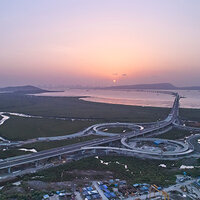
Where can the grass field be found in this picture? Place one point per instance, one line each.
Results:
(116, 130)
(11, 153)
(44, 145)
(190, 114)
(73, 107)
(140, 171)
(174, 134)
(39, 146)
(18, 128)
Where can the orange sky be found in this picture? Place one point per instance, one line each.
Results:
(96, 42)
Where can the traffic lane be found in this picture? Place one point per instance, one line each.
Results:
(62, 150)
(48, 153)
(51, 153)
(194, 141)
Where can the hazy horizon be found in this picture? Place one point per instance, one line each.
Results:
(78, 86)
(99, 43)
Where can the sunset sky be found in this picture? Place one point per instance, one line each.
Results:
(99, 42)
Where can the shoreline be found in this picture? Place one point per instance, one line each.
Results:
(143, 98)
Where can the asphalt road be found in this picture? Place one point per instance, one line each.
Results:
(16, 161)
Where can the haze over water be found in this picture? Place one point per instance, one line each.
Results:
(133, 97)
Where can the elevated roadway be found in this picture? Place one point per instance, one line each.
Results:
(34, 157)
(162, 154)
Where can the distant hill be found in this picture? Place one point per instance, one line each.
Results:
(156, 86)
(27, 89)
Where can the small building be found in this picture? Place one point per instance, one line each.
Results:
(158, 142)
(46, 196)
(198, 182)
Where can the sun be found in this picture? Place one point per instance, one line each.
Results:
(114, 81)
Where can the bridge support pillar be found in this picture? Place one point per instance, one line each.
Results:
(94, 151)
(83, 152)
(36, 163)
(9, 170)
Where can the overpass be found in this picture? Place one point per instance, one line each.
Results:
(134, 151)
(70, 149)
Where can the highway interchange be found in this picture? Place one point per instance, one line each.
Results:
(95, 144)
